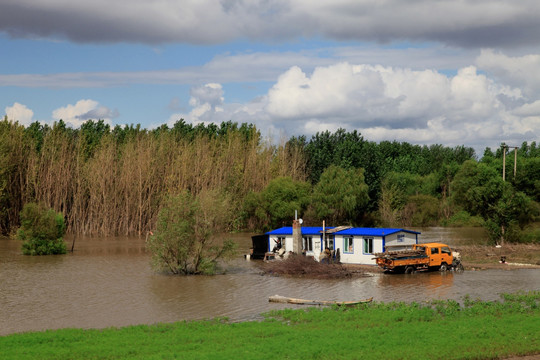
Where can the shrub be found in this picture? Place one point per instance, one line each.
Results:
(186, 240)
(463, 218)
(527, 236)
(42, 230)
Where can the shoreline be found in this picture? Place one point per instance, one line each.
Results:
(482, 257)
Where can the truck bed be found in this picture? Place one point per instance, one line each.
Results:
(400, 254)
(401, 258)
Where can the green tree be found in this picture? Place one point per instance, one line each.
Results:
(341, 148)
(391, 202)
(42, 230)
(409, 199)
(480, 190)
(16, 154)
(421, 210)
(528, 177)
(276, 204)
(91, 133)
(340, 195)
(511, 211)
(476, 188)
(186, 239)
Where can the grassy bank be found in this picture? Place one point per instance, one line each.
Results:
(436, 330)
(485, 257)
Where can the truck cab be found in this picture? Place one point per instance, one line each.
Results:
(440, 255)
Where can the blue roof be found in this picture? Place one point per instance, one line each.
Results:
(306, 230)
(315, 230)
(373, 231)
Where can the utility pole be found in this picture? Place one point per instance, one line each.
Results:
(515, 161)
(504, 161)
(504, 148)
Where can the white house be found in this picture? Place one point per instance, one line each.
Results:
(355, 245)
(311, 240)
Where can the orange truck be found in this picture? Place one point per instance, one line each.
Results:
(429, 256)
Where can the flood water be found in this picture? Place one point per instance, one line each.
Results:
(109, 282)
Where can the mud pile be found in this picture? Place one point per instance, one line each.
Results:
(306, 267)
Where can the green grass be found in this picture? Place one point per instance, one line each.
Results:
(434, 330)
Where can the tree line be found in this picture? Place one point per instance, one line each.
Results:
(114, 180)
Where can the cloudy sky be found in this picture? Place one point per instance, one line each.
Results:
(426, 72)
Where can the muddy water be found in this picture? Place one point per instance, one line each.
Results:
(109, 282)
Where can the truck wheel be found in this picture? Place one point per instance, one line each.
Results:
(409, 270)
(443, 267)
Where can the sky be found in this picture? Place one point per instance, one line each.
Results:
(425, 72)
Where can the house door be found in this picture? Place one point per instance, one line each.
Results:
(329, 242)
(307, 243)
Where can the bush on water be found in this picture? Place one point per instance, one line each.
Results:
(42, 230)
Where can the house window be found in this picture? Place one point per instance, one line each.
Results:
(329, 242)
(348, 244)
(279, 243)
(307, 243)
(368, 245)
(400, 237)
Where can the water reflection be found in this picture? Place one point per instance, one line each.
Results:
(423, 285)
(454, 236)
(109, 282)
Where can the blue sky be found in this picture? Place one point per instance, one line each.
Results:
(425, 72)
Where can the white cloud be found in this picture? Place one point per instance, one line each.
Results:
(383, 103)
(209, 106)
(364, 96)
(522, 72)
(19, 112)
(211, 94)
(82, 111)
(532, 109)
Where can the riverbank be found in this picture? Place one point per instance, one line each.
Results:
(482, 257)
(474, 330)
(474, 257)
(478, 257)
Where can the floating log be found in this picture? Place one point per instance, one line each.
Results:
(288, 300)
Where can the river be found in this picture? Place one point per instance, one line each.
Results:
(109, 282)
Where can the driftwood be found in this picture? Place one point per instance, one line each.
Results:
(287, 300)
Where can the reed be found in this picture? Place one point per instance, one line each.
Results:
(114, 182)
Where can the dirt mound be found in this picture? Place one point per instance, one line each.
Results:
(302, 266)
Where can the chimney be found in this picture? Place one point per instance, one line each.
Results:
(297, 236)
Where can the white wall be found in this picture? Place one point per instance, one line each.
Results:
(287, 244)
(316, 239)
(407, 240)
(358, 256)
